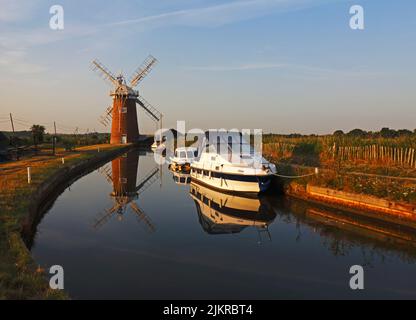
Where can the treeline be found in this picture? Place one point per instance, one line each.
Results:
(383, 133)
(355, 133)
(37, 137)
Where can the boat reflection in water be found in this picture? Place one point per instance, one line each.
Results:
(222, 213)
(180, 177)
(123, 176)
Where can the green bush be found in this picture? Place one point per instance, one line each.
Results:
(307, 153)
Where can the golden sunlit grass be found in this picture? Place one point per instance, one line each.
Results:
(18, 276)
(352, 166)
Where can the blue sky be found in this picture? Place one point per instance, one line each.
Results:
(281, 65)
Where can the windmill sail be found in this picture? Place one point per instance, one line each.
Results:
(106, 117)
(147, 181)
(103, 219)
(142, 216)
(143, 70)
(151, 111)
(104, 72)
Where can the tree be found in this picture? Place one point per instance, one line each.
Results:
(38, 131)
(404, 132)
(388, 133)
(357, 133)
(338, 133)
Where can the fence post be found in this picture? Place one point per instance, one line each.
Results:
(29, 176)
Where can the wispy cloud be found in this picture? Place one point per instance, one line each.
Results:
(222, 14)
(15, 61)
(14, 40)
(15, 46)
(12, 10)
(244, 67)
(293, 69)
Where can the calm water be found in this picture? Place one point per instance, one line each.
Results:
(167, 243)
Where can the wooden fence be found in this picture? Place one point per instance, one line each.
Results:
(376, 153)
(373, 153)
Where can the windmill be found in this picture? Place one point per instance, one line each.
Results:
(123, 176)
(122, 114)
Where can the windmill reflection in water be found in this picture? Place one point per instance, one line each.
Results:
(123, 176)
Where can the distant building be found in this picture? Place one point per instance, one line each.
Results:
(4, 144)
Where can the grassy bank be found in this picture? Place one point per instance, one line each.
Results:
(19, 276)
(374, 166)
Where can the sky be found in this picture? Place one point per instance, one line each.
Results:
(283, 66)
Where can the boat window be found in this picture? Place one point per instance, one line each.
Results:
(230, 148)
(195, 153)
(183, 154)
(218, 145)
(190, 154)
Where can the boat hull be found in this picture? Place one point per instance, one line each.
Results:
(233, 182)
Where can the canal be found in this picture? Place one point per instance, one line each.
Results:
(133, 230)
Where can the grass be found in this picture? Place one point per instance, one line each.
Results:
(19, 276)
(371, 176)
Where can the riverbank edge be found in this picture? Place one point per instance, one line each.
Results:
(364, 205)
(35, 280)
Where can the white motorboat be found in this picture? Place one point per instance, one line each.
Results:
(183, 158)
(228, 162)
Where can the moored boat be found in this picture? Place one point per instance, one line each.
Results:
(228, 162)
(183, 158)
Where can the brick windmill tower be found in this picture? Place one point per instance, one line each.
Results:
(123, 114)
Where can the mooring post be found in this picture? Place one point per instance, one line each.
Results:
(29, 176)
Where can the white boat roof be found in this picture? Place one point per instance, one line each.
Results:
(186, 149)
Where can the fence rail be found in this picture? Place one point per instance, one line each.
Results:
(371, 153)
